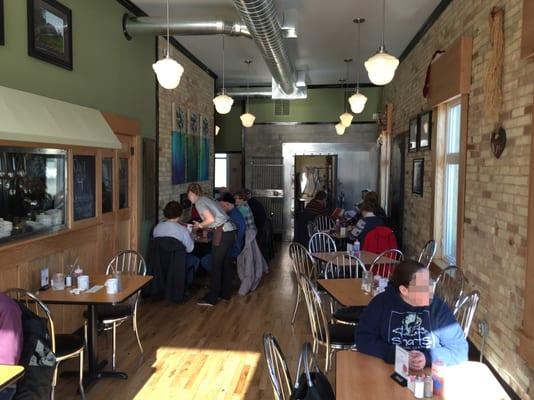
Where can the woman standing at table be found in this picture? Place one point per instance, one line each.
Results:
(215, 218)
(406, 315)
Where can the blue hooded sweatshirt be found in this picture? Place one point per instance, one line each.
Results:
(388, 321)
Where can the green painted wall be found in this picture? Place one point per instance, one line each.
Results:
(109, 73)
(322, 105)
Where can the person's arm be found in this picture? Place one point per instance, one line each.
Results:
(368, 332)
(187, 240)
(451, 346)
(207, 220)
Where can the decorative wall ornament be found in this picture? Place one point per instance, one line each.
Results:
(425, 130)
(418, 172)
(498, 141)
(493, 79)
(413, 138)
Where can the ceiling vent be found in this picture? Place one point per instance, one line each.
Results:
(281, 108)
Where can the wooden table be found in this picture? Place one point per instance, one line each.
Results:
(359, 376)
(130, 285)
(9, 374)
(347, 292)
(367, 257)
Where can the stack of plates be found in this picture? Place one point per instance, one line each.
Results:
(5, 228)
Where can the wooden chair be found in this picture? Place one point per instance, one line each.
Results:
(450, 286)
(323, 223)
(277, 368)
(383, 267)
(302, 263)
(321, 242)
(466, 309)
(427, 253)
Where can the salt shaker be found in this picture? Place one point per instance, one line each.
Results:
(419, 388)
(429, 386)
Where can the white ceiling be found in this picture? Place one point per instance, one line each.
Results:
(326, 35)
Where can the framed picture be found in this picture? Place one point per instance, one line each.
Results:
(194, 123)
(205, 126)
(179, 123)
(50, 32)
(418, 172)
(2, 37)
(413, 134)
(425, 130)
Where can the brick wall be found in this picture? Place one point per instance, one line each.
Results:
(496, 199)
(194, 93)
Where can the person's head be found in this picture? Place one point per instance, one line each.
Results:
(320, 196)
(194, 191)
(412, 280)
(247, 192)
(371, 197)
(240, 197)
(172, 211)
(227, 201)
(367, 208)
(364, 192)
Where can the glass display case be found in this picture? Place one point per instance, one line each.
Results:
(32, 191)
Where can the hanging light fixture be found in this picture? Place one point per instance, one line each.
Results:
(346, 117)
(357, 100)
(223, 103)
(340, 128)
(247, 119)
(217, 129)
(381, 67)
(167, 70)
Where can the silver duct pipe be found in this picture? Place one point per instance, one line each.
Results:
(261, 19)
(158, 26)
(252, 92)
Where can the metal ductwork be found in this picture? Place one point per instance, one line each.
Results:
(252, 92)
(261, 19)
(158, 26)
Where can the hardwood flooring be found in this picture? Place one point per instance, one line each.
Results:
(194, 352)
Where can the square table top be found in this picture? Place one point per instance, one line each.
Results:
(360, 376)
(130, 285)
(9, 374)
(367, 257)
(347, 292)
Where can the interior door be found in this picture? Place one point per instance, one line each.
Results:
(126, 194)
(396, 194)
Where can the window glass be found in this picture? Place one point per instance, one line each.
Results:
(107, 185)
(84, 187)
(221, 170)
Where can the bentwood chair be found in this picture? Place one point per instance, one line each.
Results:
(384, 267)
(323, 223)
(310, 228)
(64, 346)
(277, 368)
(127, 262)
(466, 309)
(427, 253)
(302, 263)
(331, 336)
(321, 242)
(450, 286)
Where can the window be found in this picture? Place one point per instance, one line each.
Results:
(447, 179)
(221, 170)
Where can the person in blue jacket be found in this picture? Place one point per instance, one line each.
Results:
(406, 315)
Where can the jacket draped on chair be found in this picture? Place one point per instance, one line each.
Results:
(251, 264)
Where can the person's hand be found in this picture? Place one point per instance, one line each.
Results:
(417, 360)
(196, 226)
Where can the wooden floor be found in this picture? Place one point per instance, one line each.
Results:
(194, 352)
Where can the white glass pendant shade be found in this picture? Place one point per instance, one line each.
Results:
(217, 129)
(381, 68)
(168, 72)
(223, 103)
(357, 102)
(346, 119)
(247, 119)
(340, 129)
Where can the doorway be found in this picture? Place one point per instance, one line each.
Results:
(397, 186)
(314, 173)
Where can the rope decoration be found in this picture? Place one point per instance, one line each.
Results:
(493, 81)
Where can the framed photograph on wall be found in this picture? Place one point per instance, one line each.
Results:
(50, 32)
(418, 172)
(194, 123)
(2, 35)
(425, 130)
(413, 138)
(179, 122)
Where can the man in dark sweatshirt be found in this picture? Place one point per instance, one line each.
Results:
(406, 315)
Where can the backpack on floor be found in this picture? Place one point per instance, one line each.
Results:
(311, 384)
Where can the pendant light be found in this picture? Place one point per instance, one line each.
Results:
(357, 100)
(223, 103)
(247, 119)
(346, 117)
(381, 67)
(167, 70)
(340, 128)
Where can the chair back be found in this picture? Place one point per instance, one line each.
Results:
(38, 307)
(321, 242)
(384, 264)
(310, 228)
(427, 253)
(466, 309)
(379, 239)
(344, 266)
(450, 286)
(323, 223)
(302, 261)
(277, 368)
(127, 262)
(316, 313)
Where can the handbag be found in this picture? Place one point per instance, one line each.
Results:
(311, 384)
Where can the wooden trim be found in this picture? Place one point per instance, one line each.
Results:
(122, 125)
(527, 32)
(462, 179)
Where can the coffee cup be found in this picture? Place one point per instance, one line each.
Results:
(112, 286)
(83, 282)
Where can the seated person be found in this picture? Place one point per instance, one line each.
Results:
(244, 209)
(11, 337)
(406, 315)
(171, 227)
(317, 206)
(368, 222)
(372, 198)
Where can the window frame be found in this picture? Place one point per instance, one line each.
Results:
(220, 156)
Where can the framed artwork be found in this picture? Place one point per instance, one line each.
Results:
(178, 148)
(425, 130)
(50, 32)
(179, 123)
(194, 123)
(418, 171)
(2, 37)
(413, 134)
(205, 126)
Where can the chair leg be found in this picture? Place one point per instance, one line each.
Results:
(136, 330)
(82, 392)
(113, 346)
(296, 306)
(327, 359)
(54, 382)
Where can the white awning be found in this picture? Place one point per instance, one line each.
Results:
(27, 117)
